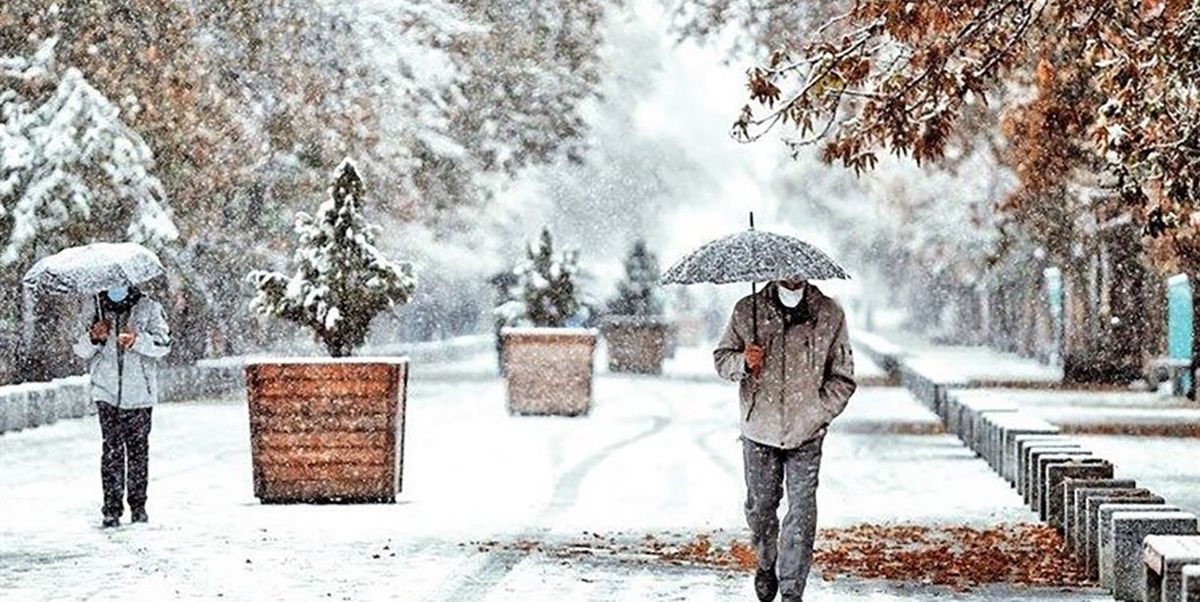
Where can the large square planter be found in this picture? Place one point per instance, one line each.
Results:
(548, 370)
(635, 344)
(327, 430)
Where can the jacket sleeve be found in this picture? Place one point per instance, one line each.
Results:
(84, 348)
(839, 383)
(728, 357)
(154, 339)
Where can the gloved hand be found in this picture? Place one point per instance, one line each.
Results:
(98, 332)
(127, 339)
(754, 358)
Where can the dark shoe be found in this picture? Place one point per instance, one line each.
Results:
(766, 584)
(110, 522)
(138, 516)
(793, 599)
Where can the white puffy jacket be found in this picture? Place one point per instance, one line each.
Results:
(137, 384)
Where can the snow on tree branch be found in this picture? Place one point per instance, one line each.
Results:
(70, 169)
(341, 280)
(545, 293)
(639, 293)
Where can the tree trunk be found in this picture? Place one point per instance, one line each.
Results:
(1126, 325)
(1105, 318)
(1043, 321)
(1010, 308)
(1081, 362)
(1154, 293)
(983, 301)
(1000, 318)
(966, 315)
(1027, 317)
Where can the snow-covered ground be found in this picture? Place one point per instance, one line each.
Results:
(965, 364)
(656, 456)
(1124, 412)
(1165, 465)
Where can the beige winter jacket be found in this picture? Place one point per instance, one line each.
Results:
(807, 375)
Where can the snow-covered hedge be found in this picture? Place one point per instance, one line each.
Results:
(29, 405)
(545, 292)
(342, 281)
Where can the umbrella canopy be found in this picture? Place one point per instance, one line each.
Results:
(754, 256)
(92, 268)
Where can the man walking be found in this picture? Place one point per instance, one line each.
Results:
(127, 336)
(788, 348)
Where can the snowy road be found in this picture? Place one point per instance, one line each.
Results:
(656, 457)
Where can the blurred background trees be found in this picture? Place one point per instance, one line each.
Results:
(1080, 105)
(245, 105)
(1017, 174)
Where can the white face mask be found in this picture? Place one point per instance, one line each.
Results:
(790, 298)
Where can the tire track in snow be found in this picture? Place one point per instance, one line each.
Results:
(499, 563)
(715, 456)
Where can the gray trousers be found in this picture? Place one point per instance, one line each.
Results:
(767, 470)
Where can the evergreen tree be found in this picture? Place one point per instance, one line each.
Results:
(545, 293)
(342, 281)
(638, 293)
(71, 171)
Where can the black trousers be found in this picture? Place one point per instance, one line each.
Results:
(124, 460)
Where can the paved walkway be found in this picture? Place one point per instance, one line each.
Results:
(656, 457)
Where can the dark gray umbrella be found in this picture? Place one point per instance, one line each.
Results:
(754, 256)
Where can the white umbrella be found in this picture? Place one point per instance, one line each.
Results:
(88, 270)
(93, 268)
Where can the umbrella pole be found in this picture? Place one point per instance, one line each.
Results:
(753, 320)
(753, 299)
(754, 312)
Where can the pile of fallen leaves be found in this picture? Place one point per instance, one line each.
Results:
(649, 549)
(701, 551)
(958, 557)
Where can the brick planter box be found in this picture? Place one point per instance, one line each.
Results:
(548, 371)
(635, 345)
(326, 430)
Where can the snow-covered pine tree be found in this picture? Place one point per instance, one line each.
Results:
(638, 293)
(71, 171)
(546, 293)
(342, 281)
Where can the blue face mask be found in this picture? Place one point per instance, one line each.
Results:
(117, 295)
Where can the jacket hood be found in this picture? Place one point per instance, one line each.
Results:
(125, 305)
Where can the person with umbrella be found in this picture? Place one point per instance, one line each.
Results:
(126, 337)
(788, 348)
